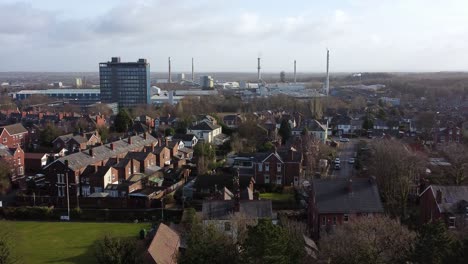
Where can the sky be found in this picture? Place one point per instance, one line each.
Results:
(229, 35)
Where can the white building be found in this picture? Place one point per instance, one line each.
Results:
(205, 131)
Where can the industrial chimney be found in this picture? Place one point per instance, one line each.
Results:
(193, 72)
(327, 81)
(259, 77)
(294, 71)
(169, 79)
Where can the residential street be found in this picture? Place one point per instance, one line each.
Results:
(345, 152)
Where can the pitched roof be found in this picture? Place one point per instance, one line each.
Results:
(204, 126)
(452, 196)
(165, 245)
(14, 129)
(333, 196)
(81, 159)
(184, 137)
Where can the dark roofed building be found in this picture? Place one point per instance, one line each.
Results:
(446, 203)
(333, 202)
(220, 210)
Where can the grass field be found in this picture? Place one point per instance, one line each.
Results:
(62, 242)
(277, 196)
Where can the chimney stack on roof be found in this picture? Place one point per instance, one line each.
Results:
(130, 140)
(91, 152)
(112, 147)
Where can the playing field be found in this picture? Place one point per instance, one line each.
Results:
(62, 242)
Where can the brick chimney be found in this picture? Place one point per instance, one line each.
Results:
(145, 135)
(91, 152)
(439, 196)
(167, 141)
(349, 186)
(130, 140)
(112, 147)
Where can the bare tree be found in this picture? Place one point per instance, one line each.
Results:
(457, 154)
(396, 170)
(378, 239)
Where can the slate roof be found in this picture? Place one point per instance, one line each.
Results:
(81, 159)
(184, 137)
(164, 247)
(452, 197)
(332, 196)
(314, 125)
(140, 155)
(218, 210)
(14, 129)
(205, 126)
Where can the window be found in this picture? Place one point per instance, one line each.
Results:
(267, 166)
(60, 178)
(451, 222)
(279, 180)
(60, 191)
(260, 167)
(267, 178)
(345, 218)
(227, 226)
(20, 170)
(324, 220)
(86, 191)
(4, 140)
(334, 220)
(278, 167)
(19, 161)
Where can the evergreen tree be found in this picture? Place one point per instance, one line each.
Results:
(285, 131)
(123, 121)
(434, 244)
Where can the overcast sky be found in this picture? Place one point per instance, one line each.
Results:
(228, 35)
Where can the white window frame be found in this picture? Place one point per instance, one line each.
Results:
(279, 180)
(267, 166)
(278, 167)
(451, 222)
(266, 178)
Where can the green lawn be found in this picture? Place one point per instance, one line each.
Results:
(62, 242)
(277, 196)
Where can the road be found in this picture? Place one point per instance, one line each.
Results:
(345, 152)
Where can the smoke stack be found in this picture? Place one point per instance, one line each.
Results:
(169, 79)
(327, 81)
(259, 77)
(193, 72)
(294, 71)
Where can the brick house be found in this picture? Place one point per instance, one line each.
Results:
(280, 168)
(14, 135)
(145, 158)
(96, 178)
(163, 156)
(446, 203)
(15, 158)
(447, 135)
(74, 143)
(232, 121)
(335, 202)
(111, 154)
(35, 161)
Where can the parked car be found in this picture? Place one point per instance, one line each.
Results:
(337, 161)
(344, 139)
(351, 161)
(337, 166)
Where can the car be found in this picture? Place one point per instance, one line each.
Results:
(344, 139)
(337, 166)
(337, 161)
(351, 161)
